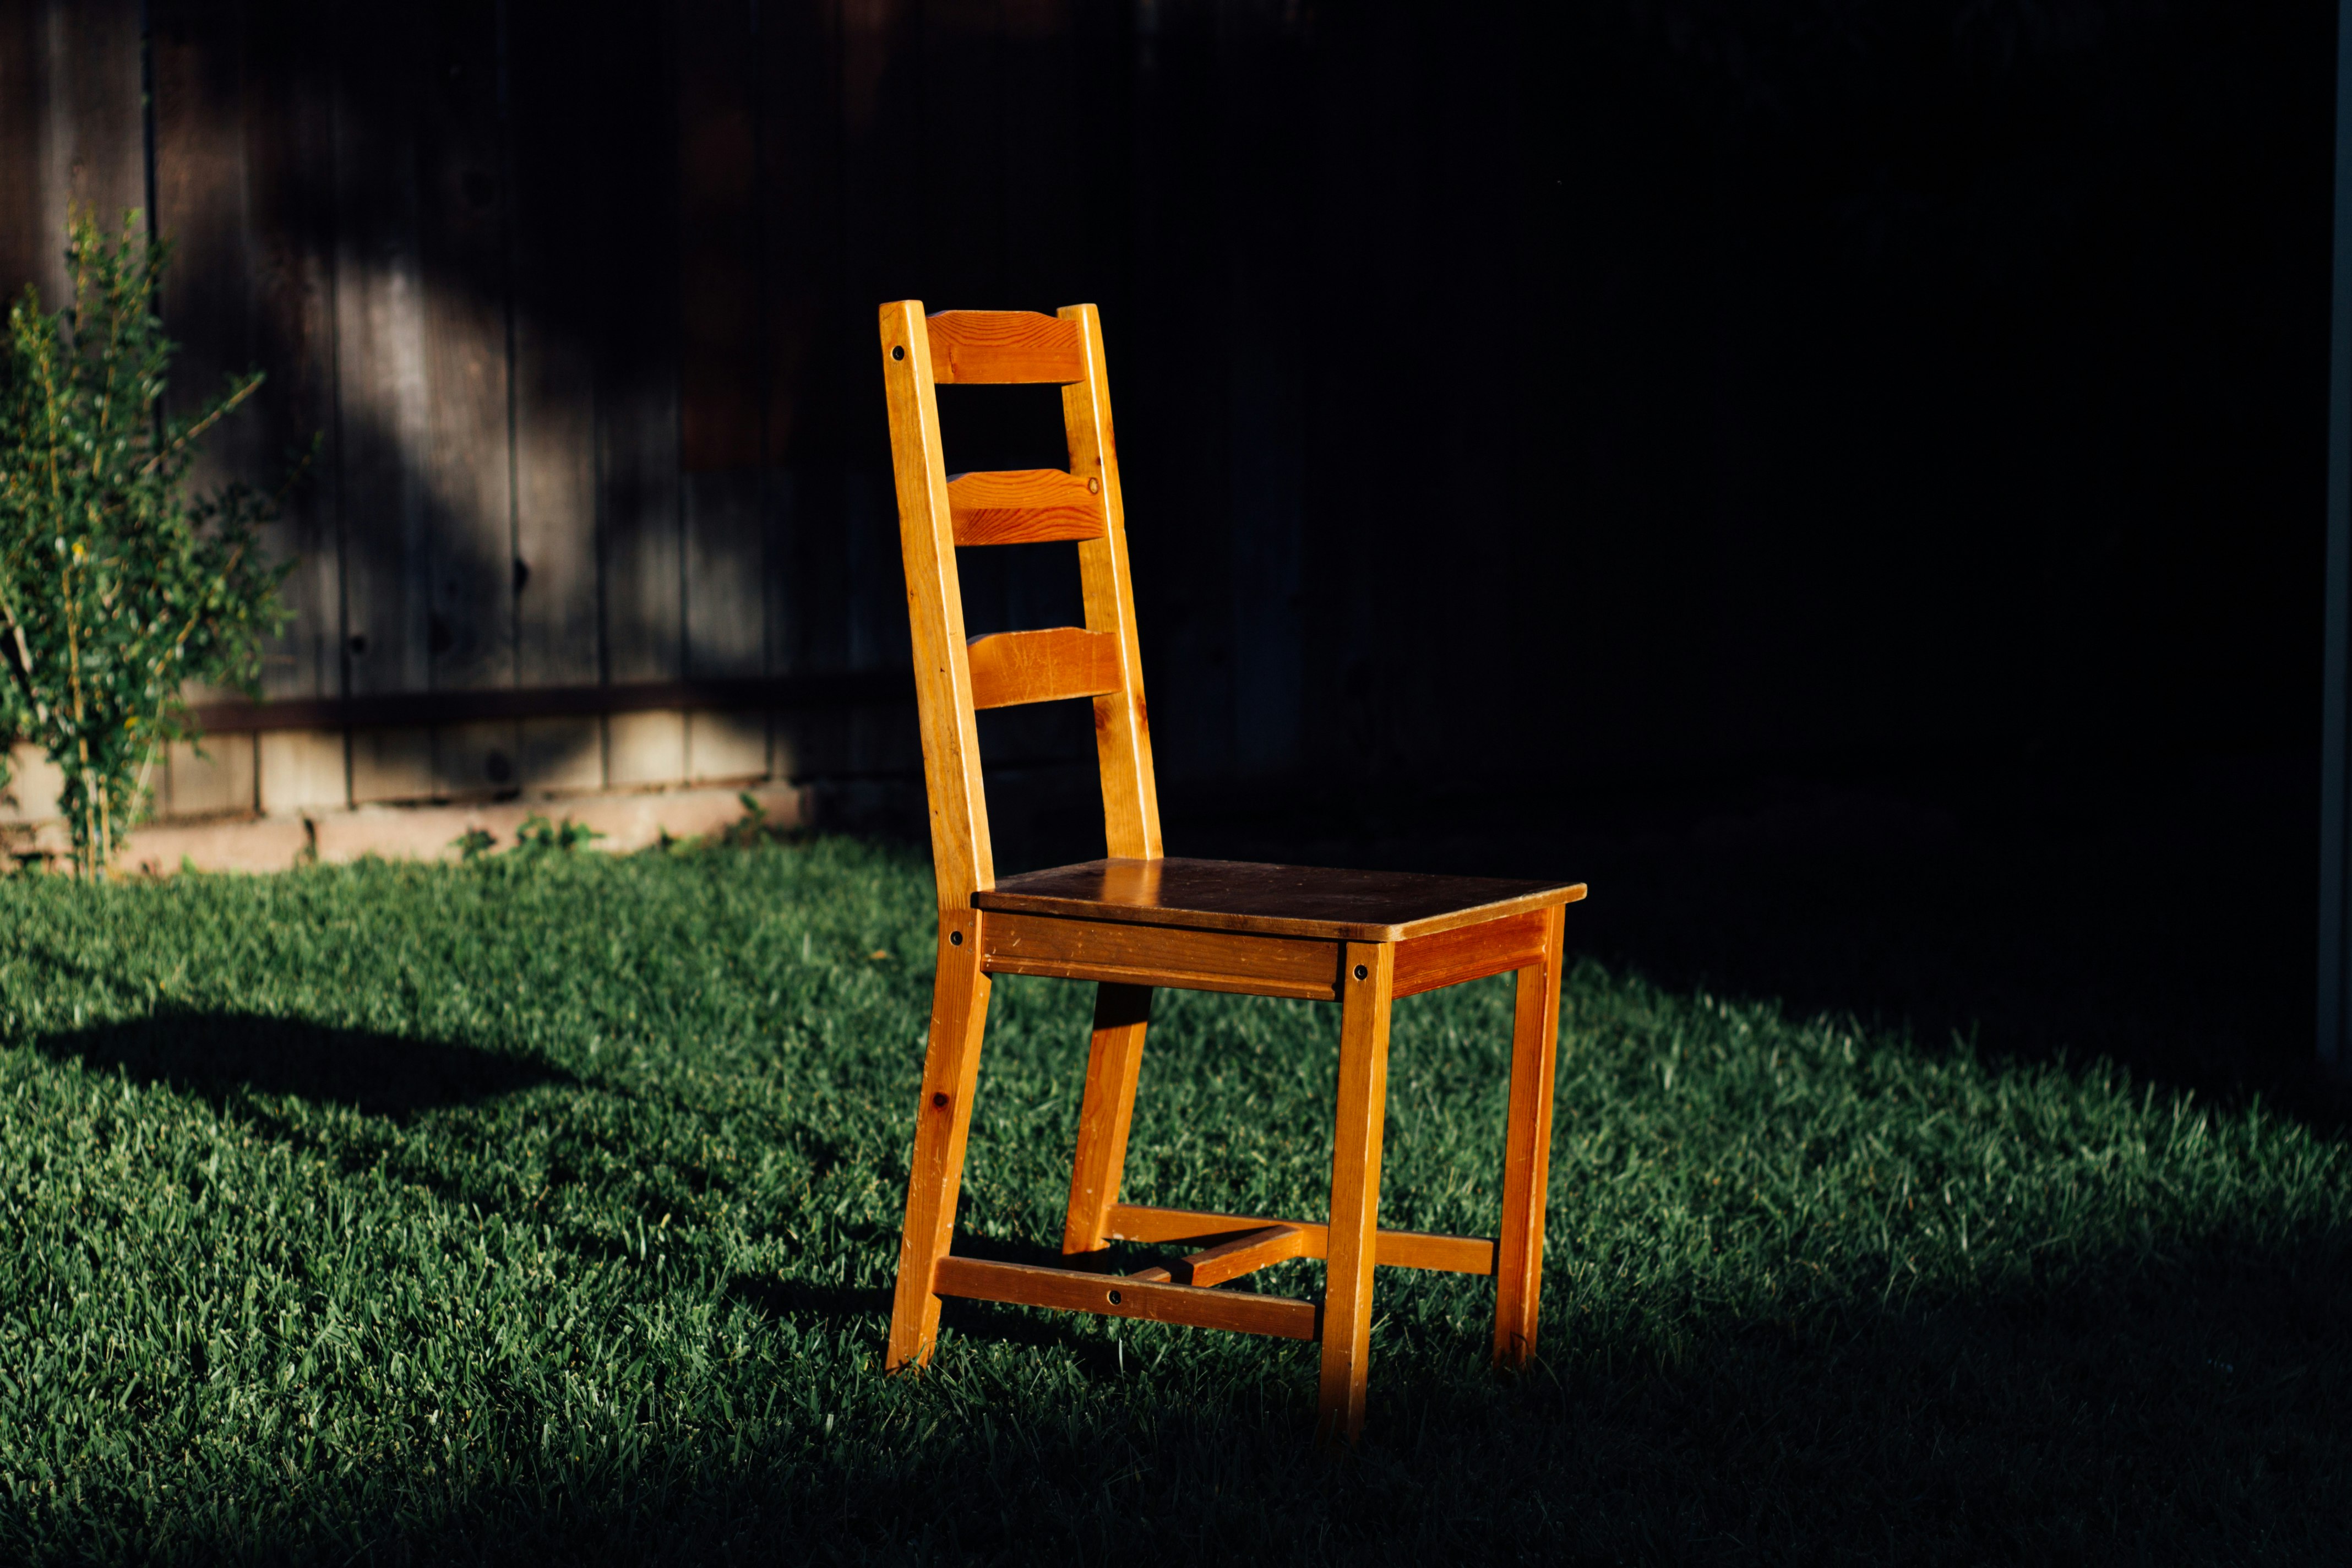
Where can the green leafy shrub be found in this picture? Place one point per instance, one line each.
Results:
(117, 587)
(753, 827)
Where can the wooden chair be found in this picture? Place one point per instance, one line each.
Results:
(1139, 919)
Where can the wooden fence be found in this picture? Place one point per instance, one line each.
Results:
(1509, 393)
(580, 299)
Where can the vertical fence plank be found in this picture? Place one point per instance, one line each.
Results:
(884, 132)
(1533, 231)
(553, 95)
(1050, 138)
(803, 318)
(637, 142)
(197, 70)
(1172, 359)
(382, 392)
(1443, 162)
(93, 125)
(2335, 1017)
(198, 62)
(1268, 194)
(463, 201)
(23, 242)
(289, 173)
(24, 245)
(721, 378)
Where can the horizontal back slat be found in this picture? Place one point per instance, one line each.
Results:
(969, 347)
(1024, 506)
(1011, 667)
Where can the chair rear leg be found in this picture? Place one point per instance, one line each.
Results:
(1526, 1152)
(1366, 980)
(950, 1071)
(1113, 1060)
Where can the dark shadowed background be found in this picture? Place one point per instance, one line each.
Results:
(1845, 477)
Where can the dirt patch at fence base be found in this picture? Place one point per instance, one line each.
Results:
(431, 832)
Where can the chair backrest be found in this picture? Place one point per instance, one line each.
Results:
(952, 676)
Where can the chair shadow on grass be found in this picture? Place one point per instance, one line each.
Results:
(219, 1056)
(1072, 1334)
(868, 1310)
(798, 1299)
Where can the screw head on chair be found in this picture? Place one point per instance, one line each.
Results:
(1361, 972)
(955, 939)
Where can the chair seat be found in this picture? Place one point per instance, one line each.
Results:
(1245, 896)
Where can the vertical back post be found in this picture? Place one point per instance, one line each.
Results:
(1122, 723)
(2335, 1016)
(960, 860)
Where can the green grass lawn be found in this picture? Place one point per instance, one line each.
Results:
(544, 1209)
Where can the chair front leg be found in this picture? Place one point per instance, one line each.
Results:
(1526, 1151)
(1113, 1061)
(1366, 981)
(951, 1072)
